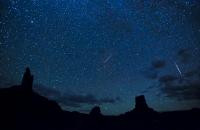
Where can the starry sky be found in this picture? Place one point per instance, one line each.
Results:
(84, 53)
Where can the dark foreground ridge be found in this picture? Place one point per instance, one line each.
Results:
(23, 109)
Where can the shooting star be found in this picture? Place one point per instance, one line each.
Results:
(177, 67)
(107, 59)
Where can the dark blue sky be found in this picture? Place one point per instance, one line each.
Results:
(104, 52)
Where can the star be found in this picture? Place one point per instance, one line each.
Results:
(32, 21)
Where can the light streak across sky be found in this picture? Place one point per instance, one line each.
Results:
(107, 59)
(178, 69)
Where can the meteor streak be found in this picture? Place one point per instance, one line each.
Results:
(177, 67)
(107, 59)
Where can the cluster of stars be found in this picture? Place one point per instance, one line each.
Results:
(98, 47)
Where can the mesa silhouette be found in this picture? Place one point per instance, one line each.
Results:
(23, 109)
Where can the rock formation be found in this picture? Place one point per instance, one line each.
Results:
(27, 81)
(96, 111)
(140, 103)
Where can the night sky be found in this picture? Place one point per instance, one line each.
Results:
(84, 53)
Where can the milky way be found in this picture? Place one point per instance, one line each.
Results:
(103, 52)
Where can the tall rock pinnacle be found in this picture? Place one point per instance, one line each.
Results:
(140, 103)
(27, 80)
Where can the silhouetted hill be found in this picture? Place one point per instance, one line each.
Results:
(20, 106)
(23, 109)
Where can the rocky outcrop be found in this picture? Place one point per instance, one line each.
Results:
(96, 111)
(140, 103)
(141, 106)
(27, 80)
(22, 106)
